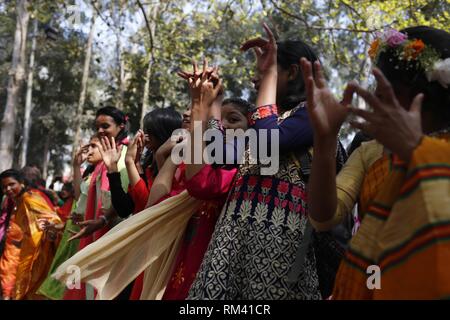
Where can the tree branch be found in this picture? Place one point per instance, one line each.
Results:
(303, 20)
(147, 24)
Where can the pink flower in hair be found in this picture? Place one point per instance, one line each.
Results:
(394, 38)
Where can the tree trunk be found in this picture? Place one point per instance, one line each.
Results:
(46, 157)
(145, 99)
(148, 74)
(120, 62)
(16, 77)
(121, 78)
(28, 101)
(81, 101)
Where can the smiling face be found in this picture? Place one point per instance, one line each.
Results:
(106, 126)
(11, 187)
(232, 118)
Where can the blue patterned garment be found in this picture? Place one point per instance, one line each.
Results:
(261, 226)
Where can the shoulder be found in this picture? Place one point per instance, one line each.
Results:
(370, 152)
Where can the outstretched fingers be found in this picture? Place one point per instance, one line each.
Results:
(348, 94)
(416, 105)
(369, 97)
(319, 76)
(385, 86)
(269, 33)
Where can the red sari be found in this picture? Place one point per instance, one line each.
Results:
(210, 184)
(139, 194)
(65, 210)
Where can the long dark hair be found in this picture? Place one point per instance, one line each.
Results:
(290, 52)
(410, 74)
(160, 123)
(17, 175)
(119, 118)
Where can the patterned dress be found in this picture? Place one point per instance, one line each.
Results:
(261, 225)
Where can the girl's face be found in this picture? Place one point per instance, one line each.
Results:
(151, 142)
(232, 118)
(93, 155)
(186, 119)
(107, 127)
(11, 187)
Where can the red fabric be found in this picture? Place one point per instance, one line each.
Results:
(92, 212)
(65, 210)
(137, 287)
(139, 193)
(45, 196)
(211, 185)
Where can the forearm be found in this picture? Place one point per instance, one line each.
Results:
(160, 158)
(199, 118)
(121, 201)
(76, 182)
(267, 93)
(163, 183)
(322, 198)
(133, 173)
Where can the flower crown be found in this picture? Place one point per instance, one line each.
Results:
(409, 50)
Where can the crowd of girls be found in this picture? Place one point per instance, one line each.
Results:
(139, 225)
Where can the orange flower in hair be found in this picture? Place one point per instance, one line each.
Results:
(373, 50)
(413, 49)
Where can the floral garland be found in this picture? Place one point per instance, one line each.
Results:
(405, 49)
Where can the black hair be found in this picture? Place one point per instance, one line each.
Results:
(242, 105)
(119, 118)
(410, 75)
(15, 174)
(289, 53)
(160, 123)
(68, 186)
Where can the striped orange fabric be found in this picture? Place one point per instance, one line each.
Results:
(406, 229)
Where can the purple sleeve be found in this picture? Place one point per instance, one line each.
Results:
(210, 183)
(295, 132)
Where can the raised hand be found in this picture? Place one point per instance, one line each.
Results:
(397, 129)
(265, 50)
(80, 156)
(326, 113)
(110, 153)
(211, 73)
(134, 151)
